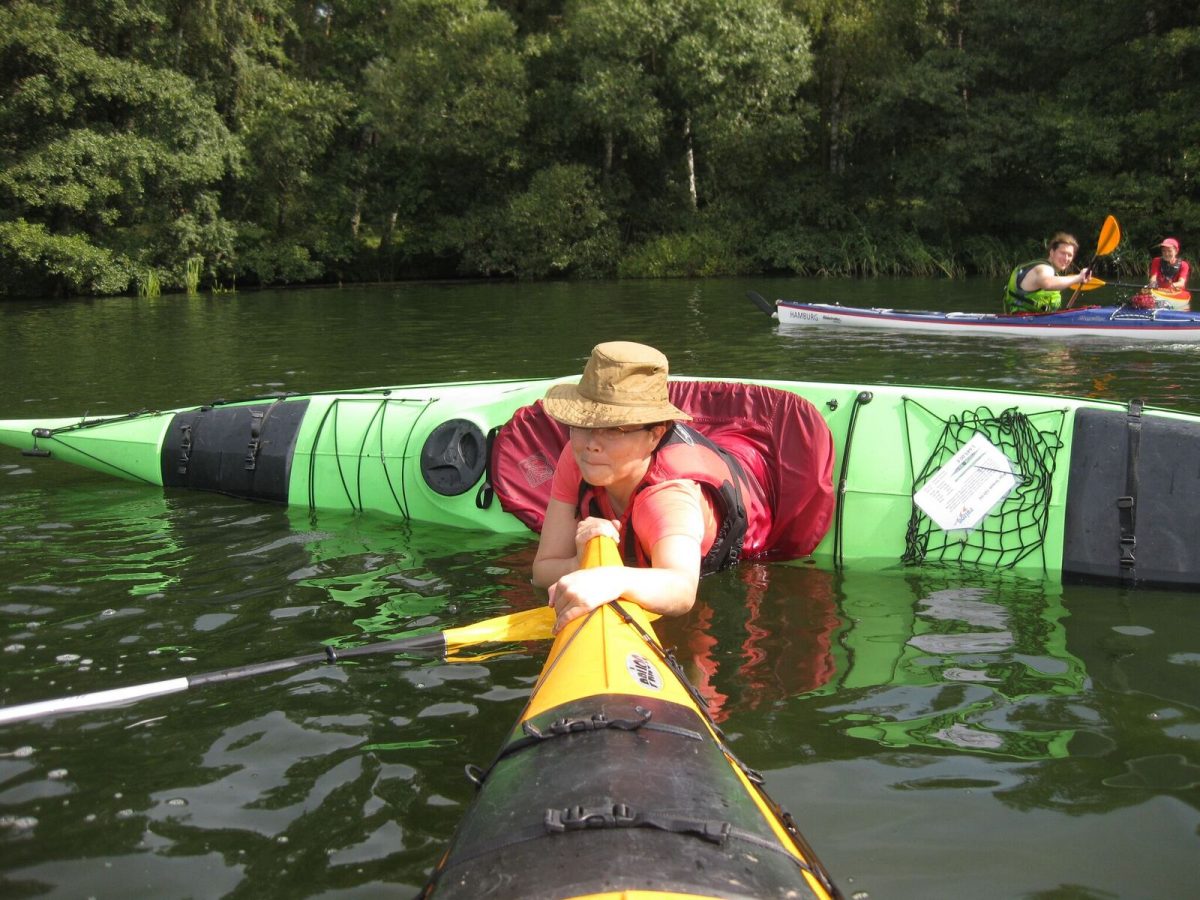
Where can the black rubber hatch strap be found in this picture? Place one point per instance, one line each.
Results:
(1127, 505)
(622, 815)
(598, 721)
(486, 493)
(258, 422)
(861, 400)
(558, 822)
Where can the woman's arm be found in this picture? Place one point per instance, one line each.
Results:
(668, 587)
(556, 553)
(561, 547)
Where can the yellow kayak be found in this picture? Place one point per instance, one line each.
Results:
(615, 783)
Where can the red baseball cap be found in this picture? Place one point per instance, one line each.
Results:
(1172, 243)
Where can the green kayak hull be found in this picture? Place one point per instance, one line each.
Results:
(1104, 494)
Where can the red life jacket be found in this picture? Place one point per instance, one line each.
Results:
(737, 500)
(780, 439)
(1164, 275)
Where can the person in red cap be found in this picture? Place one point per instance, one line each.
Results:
(1168, 272)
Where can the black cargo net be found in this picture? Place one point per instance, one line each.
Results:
(1016, 528)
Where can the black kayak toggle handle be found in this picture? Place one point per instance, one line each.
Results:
(35, 450)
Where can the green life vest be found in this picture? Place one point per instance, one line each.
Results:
(1017, 300)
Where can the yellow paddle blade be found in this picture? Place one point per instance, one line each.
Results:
(528, 625)
(1110, 236)
(1092, 283)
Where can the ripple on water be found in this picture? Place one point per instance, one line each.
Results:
(24, 609)
(18, 823)
(1133, 630)
(59, 589)
(1170, 772)
(212, 621)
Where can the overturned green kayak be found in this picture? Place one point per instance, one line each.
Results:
(1053, 487)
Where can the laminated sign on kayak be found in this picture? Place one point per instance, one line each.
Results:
(857, 475)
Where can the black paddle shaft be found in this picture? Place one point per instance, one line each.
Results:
(434, 643)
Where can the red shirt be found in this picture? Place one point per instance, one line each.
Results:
(1159, 280)
(677, 507)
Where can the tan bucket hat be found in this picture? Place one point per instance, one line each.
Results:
(623, 383)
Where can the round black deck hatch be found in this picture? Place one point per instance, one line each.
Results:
(454, 456)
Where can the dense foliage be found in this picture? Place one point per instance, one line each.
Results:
(146, 144)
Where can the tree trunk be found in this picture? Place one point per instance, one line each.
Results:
(836, 163)
(691, 161)
(385, 239)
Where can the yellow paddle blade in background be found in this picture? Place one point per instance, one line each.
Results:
(1110, 236)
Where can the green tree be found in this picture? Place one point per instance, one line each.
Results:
(558, 227)
(99, 155)
(447, 102)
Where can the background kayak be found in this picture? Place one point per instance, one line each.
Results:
(1090, 321)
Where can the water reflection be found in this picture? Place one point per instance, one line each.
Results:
(395, 576)
(966, 666)
(758, 633)
(237, 785)
(904, 660)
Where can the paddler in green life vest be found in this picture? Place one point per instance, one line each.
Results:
(1037, 286)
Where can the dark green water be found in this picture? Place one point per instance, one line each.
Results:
(936, 735)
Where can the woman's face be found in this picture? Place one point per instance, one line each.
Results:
(614, 456)
(1169, 253)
